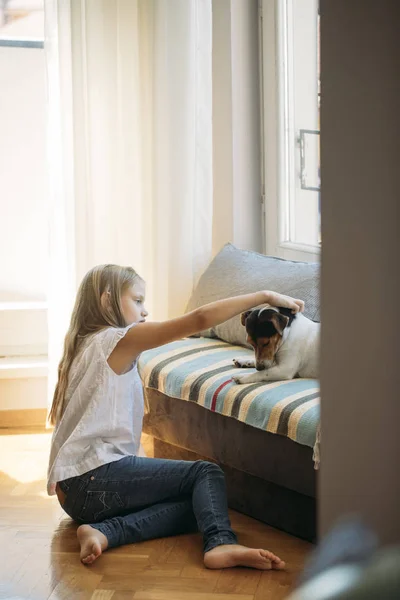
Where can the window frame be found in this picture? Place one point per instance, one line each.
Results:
(277, 135)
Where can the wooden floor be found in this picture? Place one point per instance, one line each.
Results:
(39, 551)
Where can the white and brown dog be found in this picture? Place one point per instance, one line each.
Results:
(285, 345)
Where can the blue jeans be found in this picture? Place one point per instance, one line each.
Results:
(136, 499)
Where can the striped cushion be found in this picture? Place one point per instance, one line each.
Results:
(201, 370)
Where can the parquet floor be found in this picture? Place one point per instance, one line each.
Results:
(39, 552)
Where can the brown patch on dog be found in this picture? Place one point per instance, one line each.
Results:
(266, 348)
(244, 316)
(279, 322)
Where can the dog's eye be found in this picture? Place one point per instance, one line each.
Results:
(266, 344)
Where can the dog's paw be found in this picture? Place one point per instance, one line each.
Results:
(243, 363)
(239, 380)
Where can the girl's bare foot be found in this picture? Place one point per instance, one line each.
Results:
(234, 555)
(92, 542)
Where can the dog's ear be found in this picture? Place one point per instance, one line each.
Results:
(244, 316)
(279, 322)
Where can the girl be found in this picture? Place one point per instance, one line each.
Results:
(116, 496)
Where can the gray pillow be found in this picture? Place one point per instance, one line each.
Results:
(234, 271)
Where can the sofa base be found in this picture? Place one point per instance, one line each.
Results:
(272, 504)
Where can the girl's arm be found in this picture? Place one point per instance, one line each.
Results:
(145, 336)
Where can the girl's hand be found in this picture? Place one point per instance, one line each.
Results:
(275, 299)
(145, 336)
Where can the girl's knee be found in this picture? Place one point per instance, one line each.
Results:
(211, 468)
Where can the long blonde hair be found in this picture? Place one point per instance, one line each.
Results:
(97, 305)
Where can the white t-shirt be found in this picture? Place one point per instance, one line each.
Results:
(102, 421)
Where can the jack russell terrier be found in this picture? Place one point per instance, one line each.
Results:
(285, 345)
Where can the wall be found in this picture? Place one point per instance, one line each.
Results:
(236, 125)
(22, 393)
(360, 153)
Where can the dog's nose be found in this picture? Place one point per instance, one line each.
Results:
(260, 366)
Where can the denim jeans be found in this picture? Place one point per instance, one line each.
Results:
(136, 499)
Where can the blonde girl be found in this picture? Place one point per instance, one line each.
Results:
(116, 496)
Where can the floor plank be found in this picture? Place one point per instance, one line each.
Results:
(41, 561)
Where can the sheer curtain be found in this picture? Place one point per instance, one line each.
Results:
(130, 147)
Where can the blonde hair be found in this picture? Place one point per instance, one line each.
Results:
(97, 305)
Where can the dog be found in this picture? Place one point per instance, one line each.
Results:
(285, 345)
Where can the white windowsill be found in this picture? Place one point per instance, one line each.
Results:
(301, 247)
(23, 367)
(23, 305)
(296, 252)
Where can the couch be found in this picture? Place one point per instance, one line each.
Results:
(262, 435)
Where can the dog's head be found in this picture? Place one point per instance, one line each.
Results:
(265, 328)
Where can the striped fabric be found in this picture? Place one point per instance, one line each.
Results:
(201, 370)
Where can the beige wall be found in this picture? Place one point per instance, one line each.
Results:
(360, 154)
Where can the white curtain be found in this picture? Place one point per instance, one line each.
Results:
(130, 147)
(140, 80)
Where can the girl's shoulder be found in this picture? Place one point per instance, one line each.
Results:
(106, 339)
(96, 348)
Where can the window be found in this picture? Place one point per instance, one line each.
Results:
(23, 200)
(290, 111)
